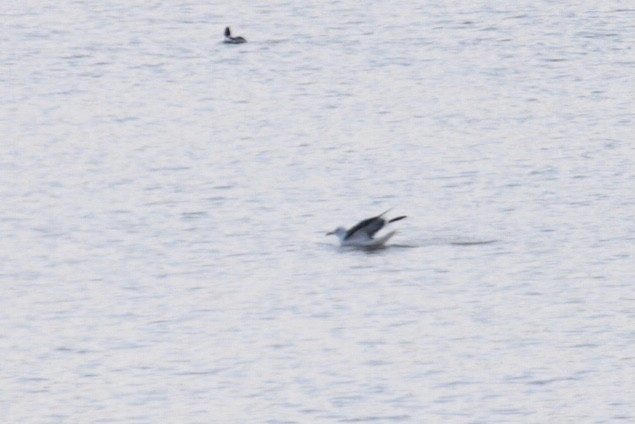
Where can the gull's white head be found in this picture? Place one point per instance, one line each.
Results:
(340, 232)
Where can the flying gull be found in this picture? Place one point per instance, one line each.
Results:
(361, 235)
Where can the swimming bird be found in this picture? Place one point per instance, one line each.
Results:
(232, 40)
(361, 235)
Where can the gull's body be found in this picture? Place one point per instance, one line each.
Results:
(232, 40)
(361, 235)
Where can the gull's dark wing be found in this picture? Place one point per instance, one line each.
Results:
(368, 226)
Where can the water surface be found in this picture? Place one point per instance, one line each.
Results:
(165, 200)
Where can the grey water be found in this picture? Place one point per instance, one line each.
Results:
(165, 199)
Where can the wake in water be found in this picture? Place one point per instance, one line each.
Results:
(381, 245)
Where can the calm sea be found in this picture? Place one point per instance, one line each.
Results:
(165, 199)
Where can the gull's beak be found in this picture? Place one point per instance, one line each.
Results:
(330, 233)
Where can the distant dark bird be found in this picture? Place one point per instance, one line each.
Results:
(361, 235)
(232, 40)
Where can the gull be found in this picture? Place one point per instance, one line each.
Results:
(232, 40)
(361, 235)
